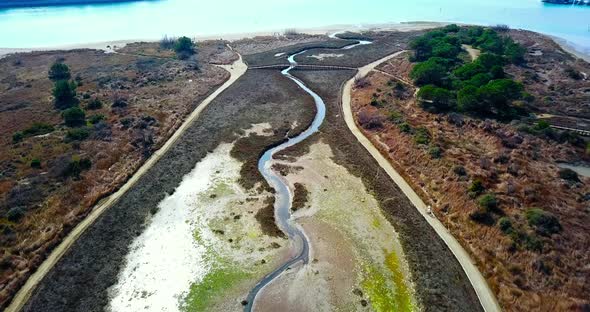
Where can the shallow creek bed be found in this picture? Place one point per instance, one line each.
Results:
(82, 279)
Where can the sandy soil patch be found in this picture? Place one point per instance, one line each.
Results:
(354, 250)
(473, 53)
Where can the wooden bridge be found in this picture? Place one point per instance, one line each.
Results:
(304, 67)
(574, 124)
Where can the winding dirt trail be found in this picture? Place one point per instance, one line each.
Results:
(236, 70)
(484, 293)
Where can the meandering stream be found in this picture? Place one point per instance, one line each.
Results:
(283, 196)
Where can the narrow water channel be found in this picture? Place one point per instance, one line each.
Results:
(283, 197)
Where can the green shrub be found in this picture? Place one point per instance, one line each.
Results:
(421, 136)
(429, 72)
(74, 117)
(76, 166)
(467, 100)
(541, 125)
(59, 71)
(64, 94)
(435, 152)
(36, 163)
(568, 174)
(482, 216)
(435, 99)
(405, 127)
(488, 202)
(530, 242)
(15, 214)
(469, 70)
(17, 137)
(451, 28)
(476, 187)
(460, 170)
(545, 223)
(94, 119)
(514, 52)
(527, 97)
(573, 73)
(375, 103)
(505, 225)
(77, 134)
(38, 128)
(184, 48)
(94, 104)
(395, 117)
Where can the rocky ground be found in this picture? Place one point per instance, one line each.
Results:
(38, 204)
(528, 268)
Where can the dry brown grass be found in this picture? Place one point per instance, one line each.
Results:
(160, 92)
(555, 279)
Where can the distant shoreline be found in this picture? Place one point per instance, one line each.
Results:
(13, 4)
(110, 46)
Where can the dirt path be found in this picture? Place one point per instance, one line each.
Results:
(237, 69)
(483, 291)
(473, 53)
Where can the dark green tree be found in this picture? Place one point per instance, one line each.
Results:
(469, 70)
(436, 99)
(467, 100)
(429, 72)
(514, 52)
(64, 94)
(184, 48)
(59, 71)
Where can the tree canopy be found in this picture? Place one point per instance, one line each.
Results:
(184, 47)
(59, 71)
(64, 94)
(479, 87)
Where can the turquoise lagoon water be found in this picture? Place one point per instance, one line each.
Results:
(55, 26)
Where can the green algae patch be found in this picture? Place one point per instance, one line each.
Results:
(376, 223)
(403, 295)
(213, 285)
(378, 287)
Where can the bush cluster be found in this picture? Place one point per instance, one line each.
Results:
(76, 167)
(38, 128)
(184, 48)
(74, 117)
(544, 223)
(479, 87)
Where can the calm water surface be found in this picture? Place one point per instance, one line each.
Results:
(40, 27)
